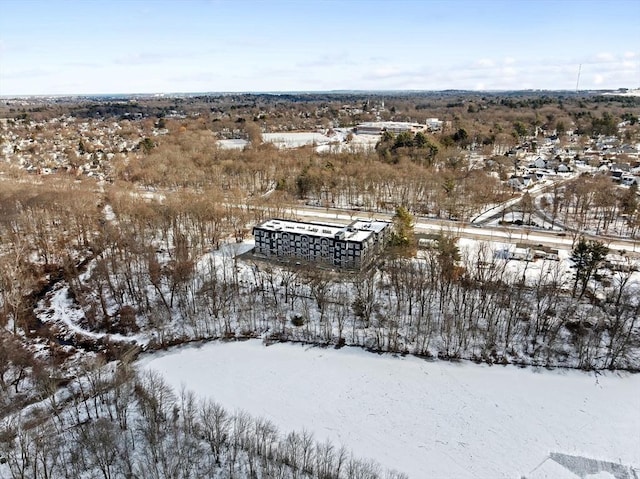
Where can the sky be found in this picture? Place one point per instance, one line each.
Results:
(59, 47)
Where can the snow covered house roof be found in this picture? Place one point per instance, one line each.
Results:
(538, 163)
(620, 167)
(516, 182)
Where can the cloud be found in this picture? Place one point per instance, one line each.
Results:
(538, 74)
(605, 57)
(389, 71)
(82, 64)
(17, 49)
(25, 74)
(378, 59)
(599, 71)
(201, 76)
(484, 63)
(149, 58)
(326, 61)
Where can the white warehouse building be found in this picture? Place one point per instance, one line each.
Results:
(395, 127)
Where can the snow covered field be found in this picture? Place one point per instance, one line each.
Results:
(335, 143)
(235, 144)
(427, 419)
(297, 139)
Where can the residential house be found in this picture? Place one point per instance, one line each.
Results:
(621, 167)
(538, 163)
(529, 179)
(516, 182)
(619, 170)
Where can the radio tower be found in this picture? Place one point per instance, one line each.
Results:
(578, 81)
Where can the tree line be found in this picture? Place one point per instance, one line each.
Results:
(592, 202)
(154, 266)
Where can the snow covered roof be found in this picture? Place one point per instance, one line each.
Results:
(359, 230)
(550, 469)
(565, 466)
(364, 225)
(391, 126)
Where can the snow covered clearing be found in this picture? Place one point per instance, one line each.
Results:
(234, 144)
(357, 143)
(335, 142)
(427, 419)
(518, 217)
(298, 139)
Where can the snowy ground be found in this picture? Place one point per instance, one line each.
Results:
(235, 144)
(531, 270)
(60, 309)
(297, 139)
(512, 217)
(357, 143)
(334, 143)
(428, 419)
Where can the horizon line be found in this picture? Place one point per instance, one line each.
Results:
(306, 92)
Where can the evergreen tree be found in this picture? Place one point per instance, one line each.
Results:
(403, 237)
(587, 257)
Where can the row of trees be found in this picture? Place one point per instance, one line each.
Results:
(447, 303)
(150, 270)
(54, 229)
(421, 176)
(593, 203)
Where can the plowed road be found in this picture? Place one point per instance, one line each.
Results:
(464, 230)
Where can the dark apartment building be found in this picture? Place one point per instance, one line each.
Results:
(351, 247)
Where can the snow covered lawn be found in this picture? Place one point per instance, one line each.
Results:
(427, 419)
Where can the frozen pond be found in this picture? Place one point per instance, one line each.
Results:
(427, 419)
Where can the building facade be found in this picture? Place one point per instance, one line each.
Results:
(351, 247)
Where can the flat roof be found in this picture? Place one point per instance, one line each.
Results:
(358, 230)
(370, 225)
(389, 124)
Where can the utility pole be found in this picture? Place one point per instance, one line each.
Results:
(578, 81)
